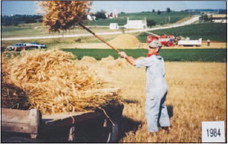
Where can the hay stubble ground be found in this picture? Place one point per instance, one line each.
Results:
(197, 92)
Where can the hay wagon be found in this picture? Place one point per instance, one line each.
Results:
(32, 126)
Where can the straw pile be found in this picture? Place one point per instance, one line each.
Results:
(110, 63)
(54, 82)
(88, 59)
(107, 62)
(125, 41)
(120, 62)
(107, 59)
(62, 15)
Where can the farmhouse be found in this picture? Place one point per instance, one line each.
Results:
(136, 24)
(219, 18)
(112, 15)
(91, 18)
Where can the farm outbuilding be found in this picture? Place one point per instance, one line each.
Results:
(136, 24)
(111, 15)
(219, 18)
(113, 26)
(91, 18)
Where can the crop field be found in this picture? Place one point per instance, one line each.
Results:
(159, 19)
(197, 92)
(212, 31)
(60, 42)
(68, 78)
(37, 29)
(188, 55)
(192, 98)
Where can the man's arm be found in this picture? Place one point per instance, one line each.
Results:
(139, 62)
(129, 59)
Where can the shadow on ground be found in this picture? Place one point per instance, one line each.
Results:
(127, 125)
(170, 110)
(129, 101)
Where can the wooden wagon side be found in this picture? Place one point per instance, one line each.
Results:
(47, 128)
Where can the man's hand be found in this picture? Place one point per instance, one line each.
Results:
(122, 54)
(129, 59)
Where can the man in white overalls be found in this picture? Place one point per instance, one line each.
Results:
(156, 87)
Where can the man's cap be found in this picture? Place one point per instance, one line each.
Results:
(155, 43)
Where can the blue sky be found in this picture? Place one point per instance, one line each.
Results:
(29, 7)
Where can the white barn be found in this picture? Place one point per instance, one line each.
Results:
(113, 26)
(136, 24)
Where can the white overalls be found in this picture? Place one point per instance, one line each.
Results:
(156, 91)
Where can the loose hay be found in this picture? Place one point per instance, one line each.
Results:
(107, 62)
(62, 15)
(88, 59)
(122, 63)
(110, 63)
(125, 41)
(55, 83)
(107, 59)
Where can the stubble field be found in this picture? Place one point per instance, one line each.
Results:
(197, 92)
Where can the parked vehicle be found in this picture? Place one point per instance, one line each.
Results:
(19, 47)
(166, 40)
(37, 45)
(26, 46)
(188, 42)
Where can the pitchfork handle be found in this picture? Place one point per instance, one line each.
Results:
(101, 39)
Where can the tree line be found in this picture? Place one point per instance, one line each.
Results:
(20, 19)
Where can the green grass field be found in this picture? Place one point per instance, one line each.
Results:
(37, 29)
(201, 55)
(60, 42)
(163, 18)
(212, 31)
(182, 55)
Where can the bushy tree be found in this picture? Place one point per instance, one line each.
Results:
(221, 11)
(100, 14)
(122, 13)
(20, 19)
(168, 10)
(150, 22)
(205, 18)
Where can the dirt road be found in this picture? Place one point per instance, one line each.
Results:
(187, 22)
